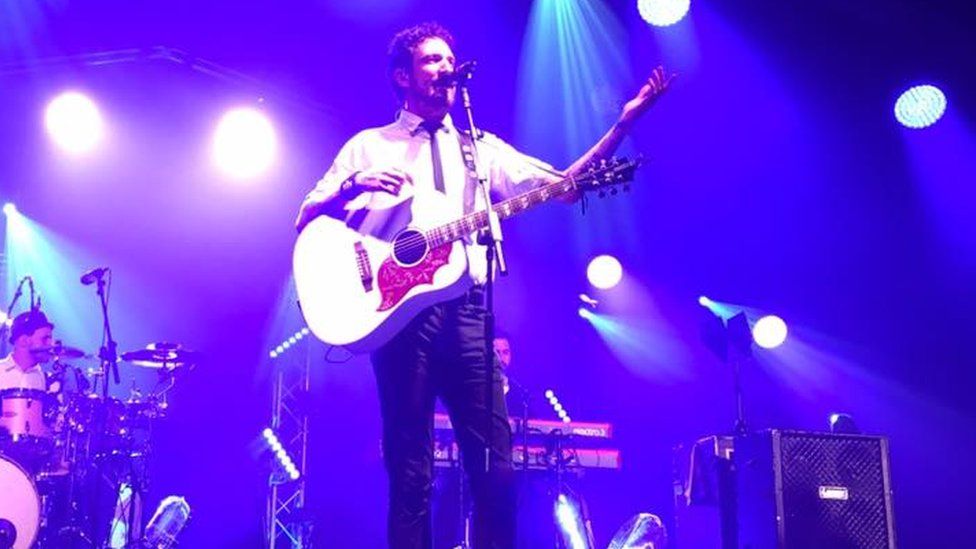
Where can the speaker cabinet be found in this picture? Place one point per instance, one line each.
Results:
(799, 490)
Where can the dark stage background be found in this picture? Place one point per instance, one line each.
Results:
(778, 179)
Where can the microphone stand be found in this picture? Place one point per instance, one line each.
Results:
(4, 326)
(33, 295)
(492, 239)
(107, 352)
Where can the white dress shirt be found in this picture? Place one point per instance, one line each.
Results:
(404, 145)
(12, 376)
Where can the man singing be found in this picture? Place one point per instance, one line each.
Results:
(417, 160)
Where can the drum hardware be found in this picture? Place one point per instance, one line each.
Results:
(59, 448)
(57, 352)
(167, 356)
(71, 443)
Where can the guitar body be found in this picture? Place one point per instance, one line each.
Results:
(358, 291)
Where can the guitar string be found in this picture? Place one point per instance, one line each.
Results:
(423, 239)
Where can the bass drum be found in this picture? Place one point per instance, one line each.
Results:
(20, 507)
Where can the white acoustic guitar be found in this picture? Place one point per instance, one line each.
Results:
(357, 290)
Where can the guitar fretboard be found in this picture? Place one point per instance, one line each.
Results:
(476, 221)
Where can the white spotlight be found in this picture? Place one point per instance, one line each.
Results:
(920, 106)
(769, 332)
(9, 209)
(604, 272)
(662, 13)
(244, 143)
(74, 123)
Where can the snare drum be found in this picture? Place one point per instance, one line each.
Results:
(20, 507)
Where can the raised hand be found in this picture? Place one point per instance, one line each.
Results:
(656, 85)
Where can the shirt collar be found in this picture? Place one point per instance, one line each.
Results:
(411, 122)
(9, 364)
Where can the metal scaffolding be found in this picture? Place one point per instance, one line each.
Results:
(287, 523)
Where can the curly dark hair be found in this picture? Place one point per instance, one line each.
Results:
(400, 52)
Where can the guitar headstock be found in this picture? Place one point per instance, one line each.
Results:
(607, 175)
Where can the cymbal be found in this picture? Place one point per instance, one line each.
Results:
(162, 355)
(59, 351)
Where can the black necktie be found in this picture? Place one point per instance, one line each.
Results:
(435, 153)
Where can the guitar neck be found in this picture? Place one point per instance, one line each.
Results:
(477, 221)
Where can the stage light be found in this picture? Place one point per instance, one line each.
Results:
(843, 424)
(557, 406)
(704, 301)
(920, 106)
(244, 144)
(74, 123)
(570, 523)
(281, 455)
(662, 13)
(288, 343)
(588, 301)
(604, 272)
(585, 313)
(167, 522)
(9, 209)
(769, 332)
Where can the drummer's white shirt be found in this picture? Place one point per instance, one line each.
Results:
(13, 376)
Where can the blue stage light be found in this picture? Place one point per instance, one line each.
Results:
(662, 13)
(9, 209)
(920, 106)
(769, 332)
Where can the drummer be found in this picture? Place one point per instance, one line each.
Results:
(29, 332)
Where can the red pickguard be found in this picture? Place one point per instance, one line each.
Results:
(395, 281)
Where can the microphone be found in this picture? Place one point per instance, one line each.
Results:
(462, 73)
(91, 276)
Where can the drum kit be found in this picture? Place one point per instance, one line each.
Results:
(72, 457)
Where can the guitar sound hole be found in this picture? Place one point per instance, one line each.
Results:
(409, 247)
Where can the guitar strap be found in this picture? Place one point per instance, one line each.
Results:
(470, 171)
